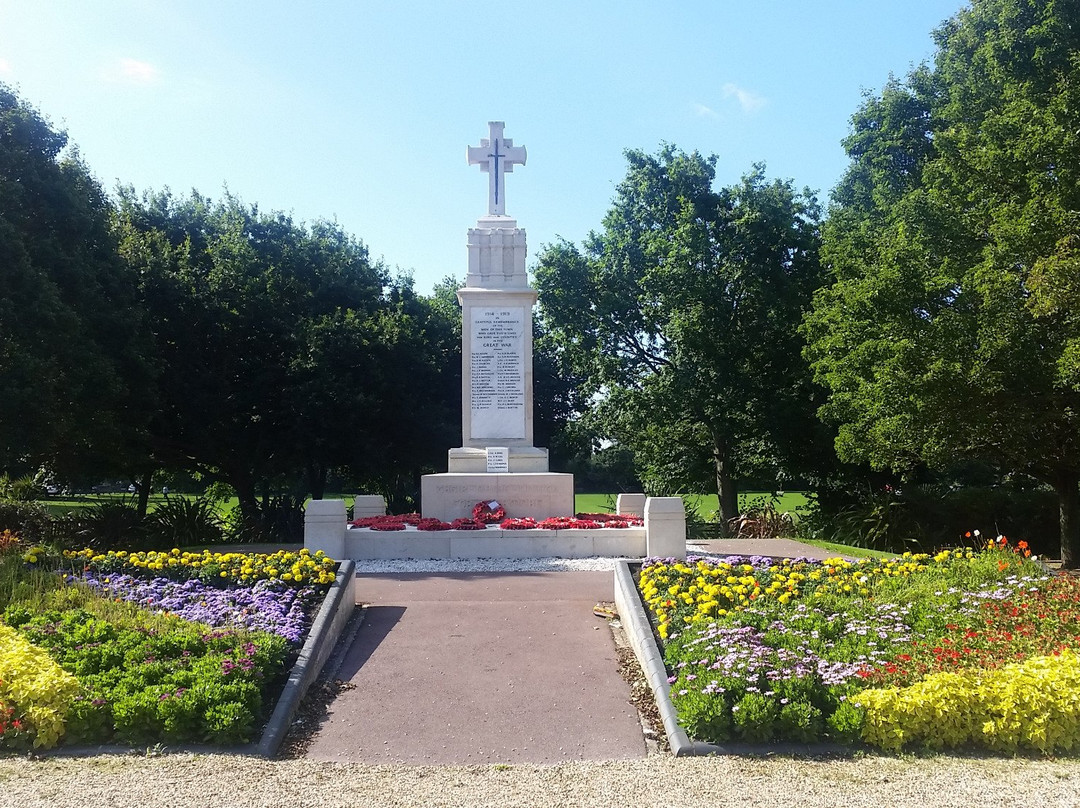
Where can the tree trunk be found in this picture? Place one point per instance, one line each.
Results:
(1067, 486)
(144, 484)
(316, 474)
(244, 486)
(726, 489)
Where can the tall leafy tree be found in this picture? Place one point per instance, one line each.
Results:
(283, 351)
(951, 328)
(682, 315)
(72, 372)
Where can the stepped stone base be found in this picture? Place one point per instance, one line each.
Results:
(523, 460)
(365, 544)
(539, 495)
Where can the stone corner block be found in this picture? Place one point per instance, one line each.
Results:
(324, 527)
(665, 527)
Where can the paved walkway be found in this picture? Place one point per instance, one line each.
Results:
(481, 668)
(774, 548)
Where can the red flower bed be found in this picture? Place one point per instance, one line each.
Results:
(1037, 623)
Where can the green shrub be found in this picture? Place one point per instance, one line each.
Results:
(29, 520)
(28, 488)
(109, 526)
(184, 684)
(280, 520)
(925, 517)
(183, 522)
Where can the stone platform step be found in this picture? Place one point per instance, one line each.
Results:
(364, 544)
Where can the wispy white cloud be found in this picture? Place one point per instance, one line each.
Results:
(749, 101)
(132, 71)
(703, 111)
(5, 67)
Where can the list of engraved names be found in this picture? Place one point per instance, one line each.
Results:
(497, 357)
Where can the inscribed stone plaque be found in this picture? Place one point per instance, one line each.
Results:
(498, 459)
(497, 356)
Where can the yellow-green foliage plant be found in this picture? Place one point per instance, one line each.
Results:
(38, 689)
(1023, 706)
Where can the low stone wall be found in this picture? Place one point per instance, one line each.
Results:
(367, 544)
(664, 535)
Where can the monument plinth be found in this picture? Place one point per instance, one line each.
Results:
(497, 367)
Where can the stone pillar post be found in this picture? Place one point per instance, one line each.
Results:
(368, 505)
(324, 527)
(665, 527)
(630, 505)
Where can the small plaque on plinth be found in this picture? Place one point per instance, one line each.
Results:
(498, 459)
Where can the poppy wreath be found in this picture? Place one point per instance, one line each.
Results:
(612, 519)
(389, 526)
(467, 524)
(568, 523)
(432, 524)
(488, 512)
(524, 523)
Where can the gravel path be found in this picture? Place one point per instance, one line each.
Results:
(205, 781)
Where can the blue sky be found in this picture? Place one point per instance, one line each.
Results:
(361, 111)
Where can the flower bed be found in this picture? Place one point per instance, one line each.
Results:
(158, 647)
(971, 647)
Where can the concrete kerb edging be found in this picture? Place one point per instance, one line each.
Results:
(637, 628)
(337, 607)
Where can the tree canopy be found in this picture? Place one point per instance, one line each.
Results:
(282, 350)
(72, 340)
(951, 327)
(681, 316)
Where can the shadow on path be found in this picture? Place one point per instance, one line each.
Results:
(378, 621)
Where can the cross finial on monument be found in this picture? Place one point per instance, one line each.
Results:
(497, 157)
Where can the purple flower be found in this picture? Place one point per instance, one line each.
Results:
(266, 606)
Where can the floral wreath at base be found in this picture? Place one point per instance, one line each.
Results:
(467, 524)
(432, 524)
(613, 519)
(524, 523)
(488, 512)
(387, 522)
(568, 523)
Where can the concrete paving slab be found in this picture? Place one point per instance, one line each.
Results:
(773, 548)
(481, 668)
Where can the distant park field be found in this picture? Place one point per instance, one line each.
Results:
(704, 505)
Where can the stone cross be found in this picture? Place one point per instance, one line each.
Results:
(497, 157)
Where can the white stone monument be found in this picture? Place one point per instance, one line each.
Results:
(496, 365)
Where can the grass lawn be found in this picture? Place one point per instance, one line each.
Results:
(705, 504)
(973, 648)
